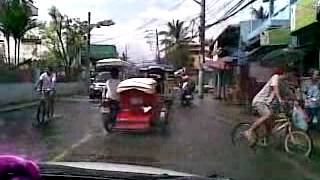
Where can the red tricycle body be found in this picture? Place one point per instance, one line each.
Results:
(140, 106)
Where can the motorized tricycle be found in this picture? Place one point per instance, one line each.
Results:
(141, 108)
(163, 74)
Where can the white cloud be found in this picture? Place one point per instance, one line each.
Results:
(73, 8)
(128, 19)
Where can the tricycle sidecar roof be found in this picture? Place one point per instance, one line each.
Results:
(146, 85)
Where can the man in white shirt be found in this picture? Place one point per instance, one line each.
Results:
(47, 83)
(47, 80)
(262, 102)
(110, 92)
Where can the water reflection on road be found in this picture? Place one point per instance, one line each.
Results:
(199, 142)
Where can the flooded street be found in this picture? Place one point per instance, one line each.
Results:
(198, 142)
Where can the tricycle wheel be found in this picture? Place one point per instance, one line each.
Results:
(91, 96)
(164, 129)
(108, 124)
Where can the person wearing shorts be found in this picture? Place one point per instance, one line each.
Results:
(262, 102)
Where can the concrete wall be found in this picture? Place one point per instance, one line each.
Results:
(23, 92)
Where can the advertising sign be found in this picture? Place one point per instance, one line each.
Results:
(305, 13)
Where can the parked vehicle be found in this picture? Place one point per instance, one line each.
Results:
(141, 108)
(97, 85)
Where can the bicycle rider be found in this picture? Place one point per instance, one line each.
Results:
(263, 100)
(47, 84)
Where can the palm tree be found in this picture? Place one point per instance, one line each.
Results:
(28, 25)
(177, 34)
(23, 22)
(16, 20)
(259, 13)
(175, 40)
(5, 24)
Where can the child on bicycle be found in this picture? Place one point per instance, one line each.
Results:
(262, 102)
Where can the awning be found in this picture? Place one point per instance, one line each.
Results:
(221, 64)
(281, 57)
(258, 53)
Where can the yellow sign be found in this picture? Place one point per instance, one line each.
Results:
(305, 13)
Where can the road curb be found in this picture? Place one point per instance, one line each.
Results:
(9, 108)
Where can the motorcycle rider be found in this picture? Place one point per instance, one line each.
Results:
(187, 87)
(110, 93)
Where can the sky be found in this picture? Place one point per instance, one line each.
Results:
(134, 17)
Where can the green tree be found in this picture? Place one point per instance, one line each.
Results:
(176, 41)
(74, 34)
(64, 38)
(22, 22)
(58, 26)
(15, 19)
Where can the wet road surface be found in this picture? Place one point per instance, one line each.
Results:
(198, 142)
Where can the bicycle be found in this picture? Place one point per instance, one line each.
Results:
(296, 142)
(45, 107)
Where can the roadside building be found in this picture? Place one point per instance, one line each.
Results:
(224, 62)
(305, 33)
(259, 37)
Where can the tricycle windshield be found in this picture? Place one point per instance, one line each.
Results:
(102, 77)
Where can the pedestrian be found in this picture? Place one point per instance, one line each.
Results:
(312, 100)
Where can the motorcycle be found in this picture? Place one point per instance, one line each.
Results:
(186, 94)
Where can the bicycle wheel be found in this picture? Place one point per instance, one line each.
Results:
(298, 142)
(236, 135)
(108, 123)
(41, 113)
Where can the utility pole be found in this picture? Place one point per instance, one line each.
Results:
(271, 8)
(202, 43)
(88, 50)
(158, 51)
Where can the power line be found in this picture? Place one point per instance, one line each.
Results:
(218, 10)
(230, 15)
(145, 24)
(234, 7)
(155, 19)
(138, 32)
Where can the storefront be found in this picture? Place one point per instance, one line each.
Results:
(223, 76)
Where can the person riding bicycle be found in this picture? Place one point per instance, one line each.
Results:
(47, 84)
(262, 102)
